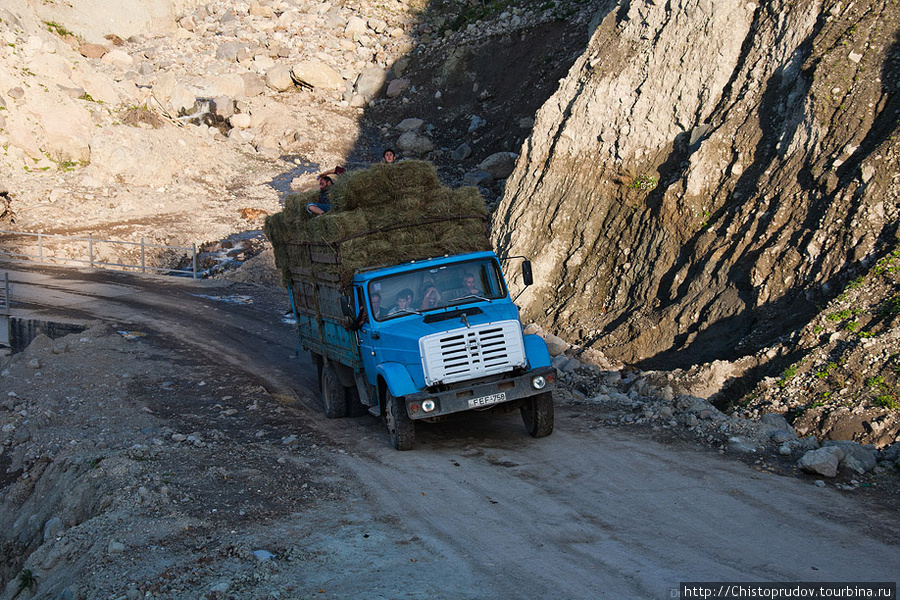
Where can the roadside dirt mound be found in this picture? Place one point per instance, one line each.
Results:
(94, 469)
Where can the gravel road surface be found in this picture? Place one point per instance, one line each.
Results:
(478, 510)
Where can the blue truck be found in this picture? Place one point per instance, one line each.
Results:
(420, 341)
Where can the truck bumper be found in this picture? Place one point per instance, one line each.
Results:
(480, 396)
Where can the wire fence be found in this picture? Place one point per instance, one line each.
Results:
(90, 256)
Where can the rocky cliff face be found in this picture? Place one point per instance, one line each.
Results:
(708, 173)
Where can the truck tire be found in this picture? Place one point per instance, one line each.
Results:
(334, 395)
(537, 414)
(401, 428)
(317, 363)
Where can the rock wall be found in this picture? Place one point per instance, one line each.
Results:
(707, 173)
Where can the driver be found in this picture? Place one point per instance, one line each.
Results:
(469, 287)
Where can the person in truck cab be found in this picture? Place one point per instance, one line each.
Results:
(469, 287)
(404, 299)
(375, 298)
(431, 298)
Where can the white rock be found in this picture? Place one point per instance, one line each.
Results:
(229, 84)
(823, 461)
(317, 74)
(279, 78)
(182, 100)
(355, 28)
(555, 344)
(118, 58)
(370, 82)
(240, 120)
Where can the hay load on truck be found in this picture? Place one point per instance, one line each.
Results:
(403, 306)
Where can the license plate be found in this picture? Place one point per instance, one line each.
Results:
(487, 400)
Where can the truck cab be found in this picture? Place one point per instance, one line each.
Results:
(442, 336)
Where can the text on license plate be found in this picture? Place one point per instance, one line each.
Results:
(487, 400)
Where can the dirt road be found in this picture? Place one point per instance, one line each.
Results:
(478, 510)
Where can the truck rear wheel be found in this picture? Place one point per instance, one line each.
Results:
(334, 395)
(537, 414)
(401, 428)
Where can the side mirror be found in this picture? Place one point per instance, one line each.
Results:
(347, 307)
(527, 277)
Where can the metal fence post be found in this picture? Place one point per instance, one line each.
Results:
(194, 260)
(143, 264)
(91, 249)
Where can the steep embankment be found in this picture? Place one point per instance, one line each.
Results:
(708, 173)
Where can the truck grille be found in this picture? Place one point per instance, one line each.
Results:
(472, 352)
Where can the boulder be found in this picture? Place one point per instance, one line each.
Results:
(118, 58)
(164, 87)
(397, 87)
(254, 85)
(555, 344)
(478, 178)
(228, 84)
(240, 121)
(317, 74)
(370, 82)
(228, 51)
(98, 86)
(462, 152)
(222, 106)
(415, 143)
(182, 100)
(777, 428)
(259, 10)
(92, 50)
(824, 461)
(500, 165)
(857, 458)
(410, 124)
(67, 128)
(279, 78)
(355, 28)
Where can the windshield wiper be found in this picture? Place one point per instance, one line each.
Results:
(404, 311)
(476, 296)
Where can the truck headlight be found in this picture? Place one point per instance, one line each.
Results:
(538, 382)
(428, 405)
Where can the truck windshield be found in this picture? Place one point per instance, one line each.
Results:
(433, 288)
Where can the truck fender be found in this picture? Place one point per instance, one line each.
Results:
(397, 379)
(536, 351)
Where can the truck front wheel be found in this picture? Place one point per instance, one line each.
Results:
(334, 395)
(401, 428)
(537, 414)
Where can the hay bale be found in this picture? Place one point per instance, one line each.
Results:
(336, 225)
(385, 215)
(295, 206)
(383, 184)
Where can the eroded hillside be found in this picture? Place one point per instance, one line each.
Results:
(708, 175)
